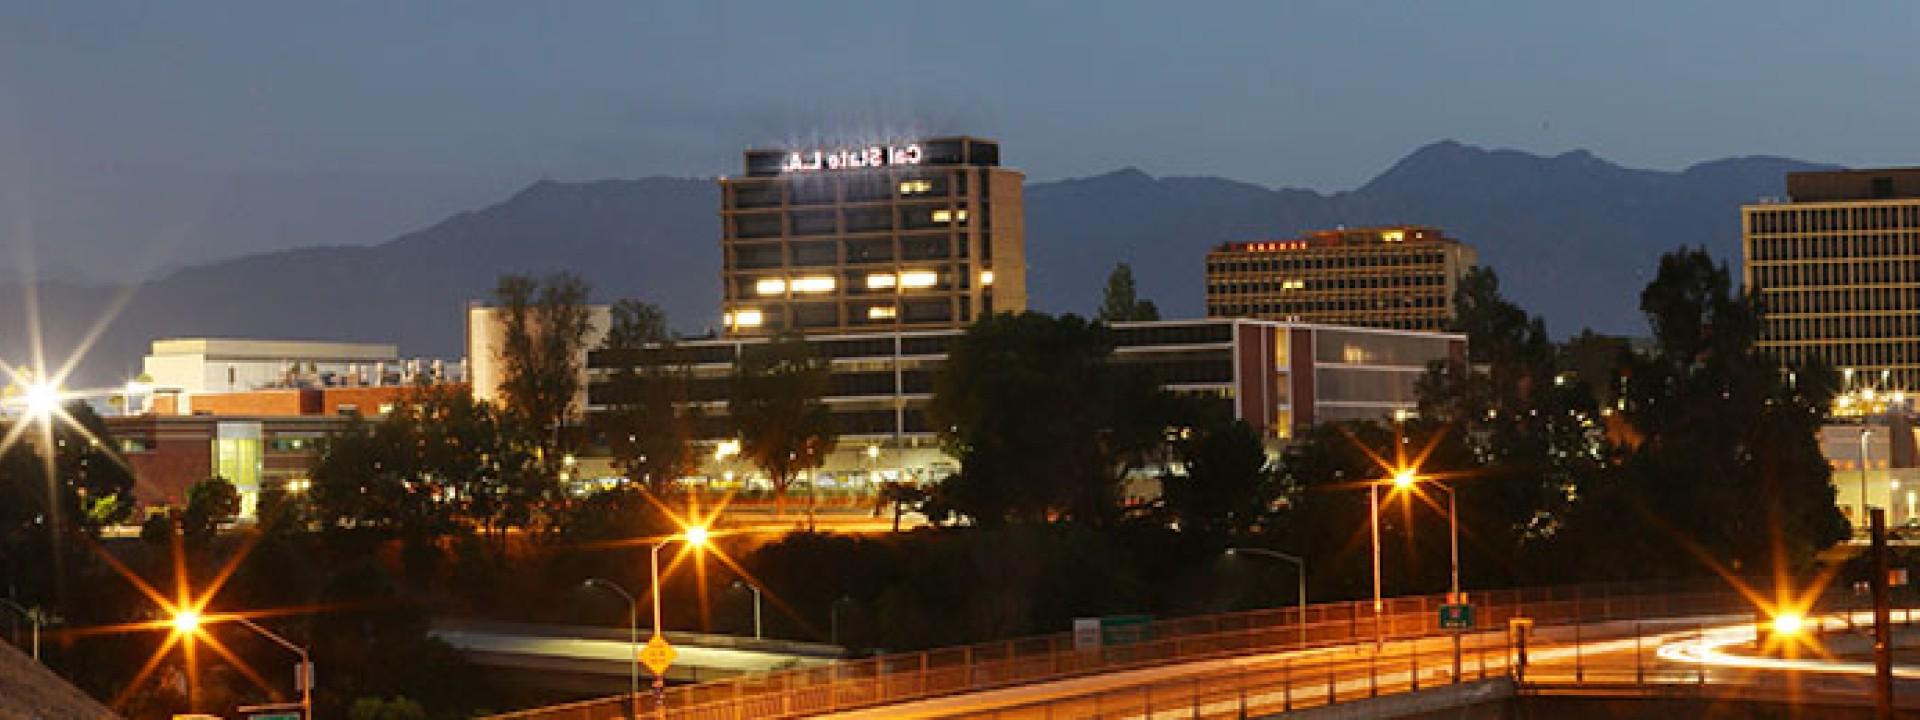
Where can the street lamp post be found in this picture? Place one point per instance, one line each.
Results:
(1865, 434)
(1373, 515)
(695, 537)
(633, 638)
(33, 618)
(755, 589)
(304, 675)
(1300, 565)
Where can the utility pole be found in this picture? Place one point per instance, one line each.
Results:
(1882, 622)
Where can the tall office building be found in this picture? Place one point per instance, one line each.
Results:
(891, 236)
(1401, 277)
(1836, 267)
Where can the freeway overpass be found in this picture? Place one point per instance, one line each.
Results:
(577, 659)
(1608, 642)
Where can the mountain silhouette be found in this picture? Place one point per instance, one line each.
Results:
(1574, 238)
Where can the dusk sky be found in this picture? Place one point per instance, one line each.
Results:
(365, 119)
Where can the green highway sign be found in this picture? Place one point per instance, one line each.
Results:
(1456, 617)
(275, 716)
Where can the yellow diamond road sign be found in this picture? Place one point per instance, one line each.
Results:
(658, 655)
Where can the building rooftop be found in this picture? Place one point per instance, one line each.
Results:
(1378, 235)
(244, 348)
(1843, 185)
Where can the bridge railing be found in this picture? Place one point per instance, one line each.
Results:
(1245, 689)
(895, 678)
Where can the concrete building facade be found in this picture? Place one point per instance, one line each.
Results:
(911, 234)
(1279, 377)
(198, 365)
(1836, 267)
(1401, 277)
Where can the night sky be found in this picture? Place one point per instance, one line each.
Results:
(139, 135)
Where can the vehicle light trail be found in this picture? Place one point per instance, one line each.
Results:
(1708, 648)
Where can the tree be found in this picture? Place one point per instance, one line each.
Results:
(1534, 429)
(439, 459)
(647, 424)
(208, 502)
(784, 427)
(1121, 302)
(544, 328)
(1728, 463)
(1044, 425)
(1229, 487)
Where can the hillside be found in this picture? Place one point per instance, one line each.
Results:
(1573, 235)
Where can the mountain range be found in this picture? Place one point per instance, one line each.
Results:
(1573, 237)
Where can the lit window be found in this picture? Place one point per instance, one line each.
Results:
(770, 286)
(915, 187)
(1393, 236)
(813, 284)
(747, 318)
(949, 216)
(881, 312)
(880, 281)
(1294, 285)
(986, 278)
(919, 279)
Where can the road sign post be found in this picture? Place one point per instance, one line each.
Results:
(1456, 617)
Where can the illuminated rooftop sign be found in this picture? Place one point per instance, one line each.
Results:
(871, 156)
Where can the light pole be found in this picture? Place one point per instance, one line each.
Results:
(1300, 565)
(633, 639)
(695, 536)
(1373, 514)
(33, 618)
(755, 589)
(1865, 434)
(303, 674)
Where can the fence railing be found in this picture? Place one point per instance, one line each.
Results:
(903, 677)
(1242, 690)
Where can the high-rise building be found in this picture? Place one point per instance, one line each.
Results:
(1836, 267)
(1401, 277)
(899, 235)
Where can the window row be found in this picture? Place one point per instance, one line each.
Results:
(1836, 273)
(836, 188)
(1866, 358)
(1329, 305)
(781, 316)
(1285, 263)
(1880, 299)
(848, 221)
(1858, 327)
(1787, 219)
(831, 253)
(875, 282)
(1880, 245)
(1331, 284)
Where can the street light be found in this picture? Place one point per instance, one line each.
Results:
(190, 622)
(1865, 434)
(755, 589)
(696, 537)
(303, 674)
(42, 399)
(33, 618)
(1788, 624)
(1301, 570)
(1406, 479)
(633, 638)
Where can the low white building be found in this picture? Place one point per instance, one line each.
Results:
(205, 365)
